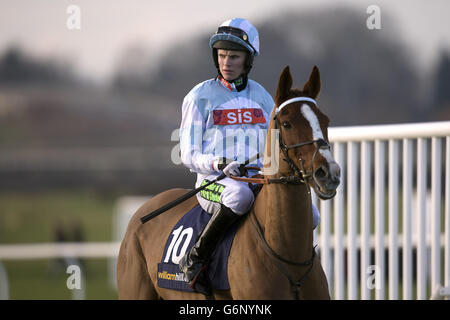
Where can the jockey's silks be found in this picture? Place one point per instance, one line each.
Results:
(220, 121)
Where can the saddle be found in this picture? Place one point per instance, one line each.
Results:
(181, 239)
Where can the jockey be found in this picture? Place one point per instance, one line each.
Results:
(224, 123)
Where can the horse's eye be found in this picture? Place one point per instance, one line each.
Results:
(286, 124)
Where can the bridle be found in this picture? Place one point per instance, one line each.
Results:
(320, 144)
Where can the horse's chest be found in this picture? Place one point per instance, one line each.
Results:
(251, 274)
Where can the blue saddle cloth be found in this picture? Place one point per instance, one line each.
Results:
(181, 239)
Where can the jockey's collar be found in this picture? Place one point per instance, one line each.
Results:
(239, 83)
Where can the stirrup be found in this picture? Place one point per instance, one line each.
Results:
(196, 275)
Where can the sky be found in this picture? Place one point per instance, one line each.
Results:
(110, 26)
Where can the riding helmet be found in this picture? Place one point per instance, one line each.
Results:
(236, 34)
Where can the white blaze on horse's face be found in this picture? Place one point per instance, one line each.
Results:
(329, 177)
(309, 115)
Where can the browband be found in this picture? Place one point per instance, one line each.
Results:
(297, 99)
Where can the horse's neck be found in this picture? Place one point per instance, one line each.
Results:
(285, 213)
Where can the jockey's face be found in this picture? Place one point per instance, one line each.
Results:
(231, 63)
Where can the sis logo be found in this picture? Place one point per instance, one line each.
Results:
(238, 116)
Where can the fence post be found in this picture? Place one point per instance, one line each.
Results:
(379, 215)
(352, 220)
(421, 218)
(339, 275)
(393, 219)
(366, 195)
(325, 239)
(447, 215)
(435, 213)
(407, 223)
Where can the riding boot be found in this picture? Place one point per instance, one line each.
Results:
(194, 261)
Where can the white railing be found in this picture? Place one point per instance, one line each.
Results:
(31, 251)
(372, 196)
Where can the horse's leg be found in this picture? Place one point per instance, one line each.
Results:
(133, 280)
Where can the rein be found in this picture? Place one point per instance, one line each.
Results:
(264, 180)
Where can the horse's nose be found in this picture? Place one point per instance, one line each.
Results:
(335, 173)
(328, 175)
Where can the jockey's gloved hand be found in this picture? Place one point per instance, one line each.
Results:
(229, 167)
(232, 169)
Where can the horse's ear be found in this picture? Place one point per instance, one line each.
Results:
(312, 86)
(284, 85)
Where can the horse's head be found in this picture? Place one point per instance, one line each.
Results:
(303, 135)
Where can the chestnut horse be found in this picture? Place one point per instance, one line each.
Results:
(272, 255)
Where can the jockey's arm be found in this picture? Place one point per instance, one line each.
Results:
(192, 131)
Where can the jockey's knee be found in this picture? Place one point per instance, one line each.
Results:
(239, 199)
(316, 216)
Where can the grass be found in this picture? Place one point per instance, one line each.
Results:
(46, 280)
(35, 218)
(26, 218)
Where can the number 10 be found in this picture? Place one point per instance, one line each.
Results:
(178, 237)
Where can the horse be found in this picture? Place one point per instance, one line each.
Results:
(272, 255)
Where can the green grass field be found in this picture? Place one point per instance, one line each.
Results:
(33, 218)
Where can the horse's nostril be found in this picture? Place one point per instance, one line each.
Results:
(320, 173)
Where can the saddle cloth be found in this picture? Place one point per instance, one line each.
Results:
(181, 239)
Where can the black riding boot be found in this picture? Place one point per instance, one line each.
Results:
(194, 261)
